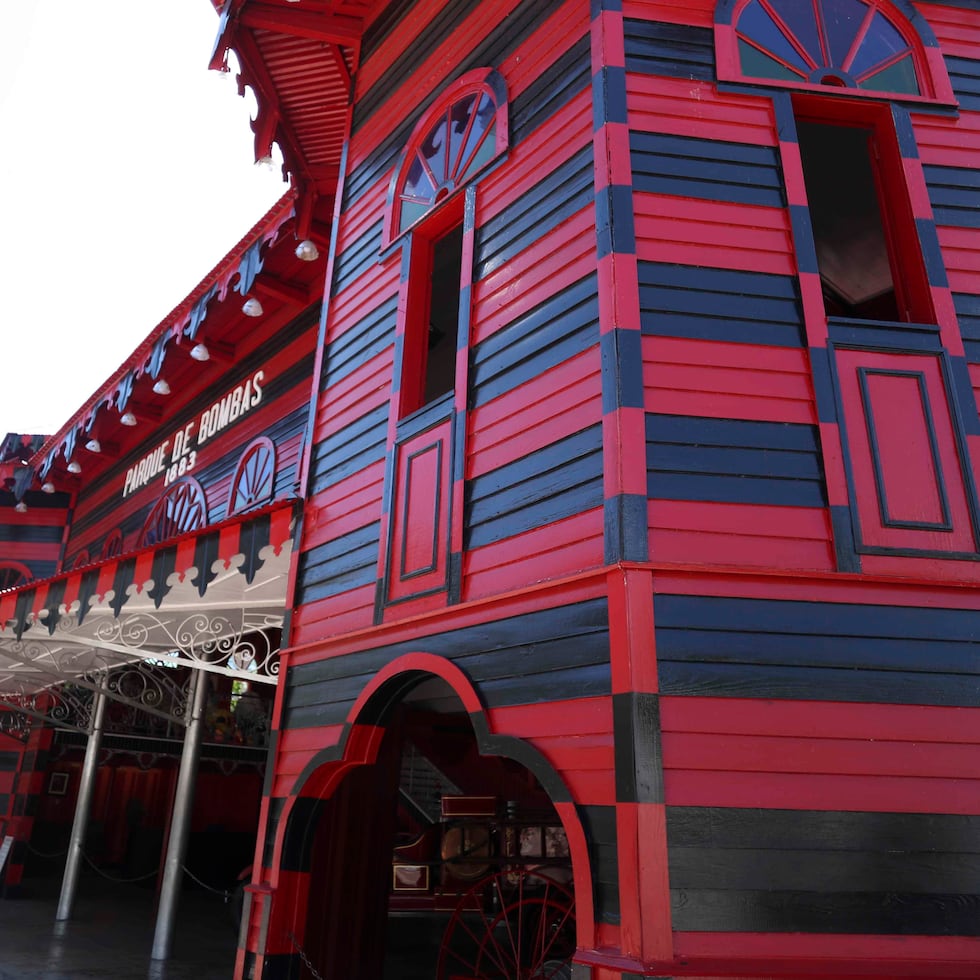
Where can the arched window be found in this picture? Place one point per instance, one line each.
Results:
(183, 507)
(254, 480)
(14, 574)
(463, 131)
(112, 545)
(874, 46)
(82, 558)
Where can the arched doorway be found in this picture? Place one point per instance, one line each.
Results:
(440, 856)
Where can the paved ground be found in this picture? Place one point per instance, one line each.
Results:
(110, 935)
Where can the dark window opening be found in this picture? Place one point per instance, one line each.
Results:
(854, 252)
(440, 356)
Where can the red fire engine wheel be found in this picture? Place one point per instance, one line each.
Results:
(512, 925)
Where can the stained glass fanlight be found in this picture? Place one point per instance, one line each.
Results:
(460, 142)
(847, 43)
(182, 507)
(254, 480)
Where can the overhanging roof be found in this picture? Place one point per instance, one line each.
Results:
(212, 600)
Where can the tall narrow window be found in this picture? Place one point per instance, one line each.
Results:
(868, 253)
(435, 359)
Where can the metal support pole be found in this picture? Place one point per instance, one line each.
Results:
(180, 823)
(83, 807)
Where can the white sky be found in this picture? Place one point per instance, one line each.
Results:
(126, 174)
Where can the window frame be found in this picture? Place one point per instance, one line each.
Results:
(913, 292)
(418, 300)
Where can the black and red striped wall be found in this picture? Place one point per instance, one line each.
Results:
(669, 573)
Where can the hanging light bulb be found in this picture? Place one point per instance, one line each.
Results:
(21, 507)
(307, 251)
(127, 418)
(93, 446)
(161, 387)
(252, 307)
(73, 467)
(47, 487)
(200, 353)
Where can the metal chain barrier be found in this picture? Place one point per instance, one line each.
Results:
(223, 892)
(47, 857)
(302, 955)
(119, 881)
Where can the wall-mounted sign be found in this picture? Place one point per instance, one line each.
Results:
(177, 454)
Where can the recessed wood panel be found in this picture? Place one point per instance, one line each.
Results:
(418, 556)
(907, 484)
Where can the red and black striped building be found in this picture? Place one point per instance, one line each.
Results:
(636, 458)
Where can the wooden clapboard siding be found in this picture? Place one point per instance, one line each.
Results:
(821, 651)
(737, 381)
(682, 107)
(34, 539)
(719, 304)
(560, 480)
(698, 13)
(948, 150)
(679, 50)
(553, 654)
(713, 233)
(540, 199)
(509, 36)
(740, 535)
(575, 737)
(548, 552)
(734, 869)
(508, 423)
(734, 461)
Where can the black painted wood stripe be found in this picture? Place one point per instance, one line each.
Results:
(707, 169)
(22, 534)
(955, 195)
(872, 333)
(357, 258)
(825, 619)
(719, 304)
(557, 85)
(675, 50)
(558, 481)
(817, 651)
(360, 343)
(555, 330)
(638, 755)
(564, 191)
(350, 449)
(964, 76)
(383, 26)
(8, 761)
(599, 823)
(847, 913)
(968, 313)
(734, 461)
(340, 565)
(819, 831)
(548, 655)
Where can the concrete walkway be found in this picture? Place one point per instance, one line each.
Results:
(111, 933)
